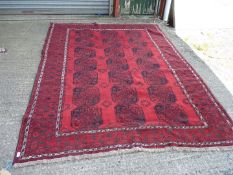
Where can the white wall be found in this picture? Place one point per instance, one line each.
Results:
(203, 14)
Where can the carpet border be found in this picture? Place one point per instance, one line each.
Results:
(32, 94)
(120, 152)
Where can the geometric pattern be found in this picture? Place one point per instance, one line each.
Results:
(105, 87)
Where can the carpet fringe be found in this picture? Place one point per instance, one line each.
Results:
(4, 172)
(120, 152)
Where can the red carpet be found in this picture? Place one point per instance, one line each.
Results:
(101, 88)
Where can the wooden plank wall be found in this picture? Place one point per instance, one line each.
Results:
(137, 7)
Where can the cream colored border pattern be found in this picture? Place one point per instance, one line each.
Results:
(26, 131)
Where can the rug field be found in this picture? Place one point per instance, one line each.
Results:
(103, 88)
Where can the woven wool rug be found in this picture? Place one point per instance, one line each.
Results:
(103, 89)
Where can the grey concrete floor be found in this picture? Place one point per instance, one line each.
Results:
(24, 41)
(214, 46)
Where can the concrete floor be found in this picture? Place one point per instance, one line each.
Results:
(214, 46)
(24, 41)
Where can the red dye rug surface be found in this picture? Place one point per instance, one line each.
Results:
(101, 88)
